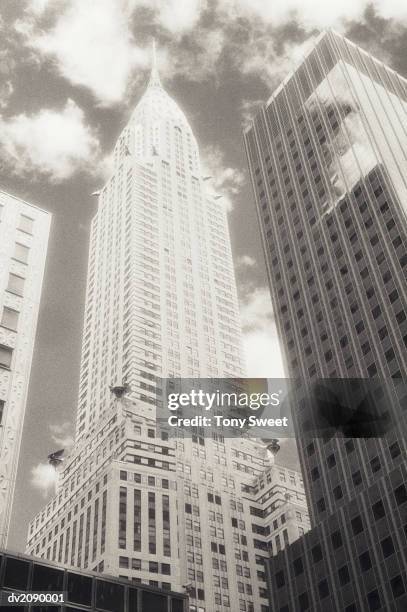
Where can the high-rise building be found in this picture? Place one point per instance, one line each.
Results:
(161, 302)
(24, 230)
(327, 157)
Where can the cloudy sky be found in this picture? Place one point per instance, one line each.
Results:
(71, 71)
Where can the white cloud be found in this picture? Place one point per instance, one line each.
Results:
(92, 46)
(270, 66)
(260, 340)
(44, 477)
(248, 110)
(246, 261)
(262, 351)
(257, 311)
(259, 53)
(38, 7)
(391, 9)
(51, 142)
(310, 14)
(198, 60)
(178, 16)
(225, 181)
(62, 435)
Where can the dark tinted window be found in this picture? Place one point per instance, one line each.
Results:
(109, 596)
(400, 493)
(47, 578)
(357, 525)
(154, 601)
(397, 586)
(378, 510)
(387, 547)
(343, 574)
(365, 561)
(336, 539)
(280, 579)
(177, 605)
(298, 566)
(79, 589)
(349, 445)
(373, 600)
(323, 589)
(133, 599)
(16, 574)
(316, 552)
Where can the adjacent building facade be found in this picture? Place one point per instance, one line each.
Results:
(328, 161)
(24, 233)
(161, 302)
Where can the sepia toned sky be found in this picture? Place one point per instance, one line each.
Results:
(70, 74)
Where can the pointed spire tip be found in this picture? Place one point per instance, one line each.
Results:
(154, 76)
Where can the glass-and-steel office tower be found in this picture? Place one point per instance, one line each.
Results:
(328, 161)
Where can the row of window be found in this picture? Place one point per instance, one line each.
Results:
(152, 566)
(373, 598)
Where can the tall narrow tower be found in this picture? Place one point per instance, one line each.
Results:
(24, 230)
(328, 160)
(161, 302)
(161, 296)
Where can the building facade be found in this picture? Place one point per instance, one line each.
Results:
(278, 498)
(327, 157)
(24, 233)
(161, 302)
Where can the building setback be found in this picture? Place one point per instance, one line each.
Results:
(327, 157)
(24, 233)
(161, 302)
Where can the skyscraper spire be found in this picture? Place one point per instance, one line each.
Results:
(154, 76)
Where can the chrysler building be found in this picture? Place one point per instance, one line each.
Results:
(161, 302)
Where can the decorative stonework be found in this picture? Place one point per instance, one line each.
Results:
(7, 337)
(5, 377)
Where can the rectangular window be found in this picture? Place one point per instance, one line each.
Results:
(152, 538)
(9, 318)
(21, 252)
(166, 526)
(95, 529)
(26, 224)
(137, 520)
(378, 510)
(2, 404)
(103, 528)
(15, 284)
(6, 354)
(122, 517)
